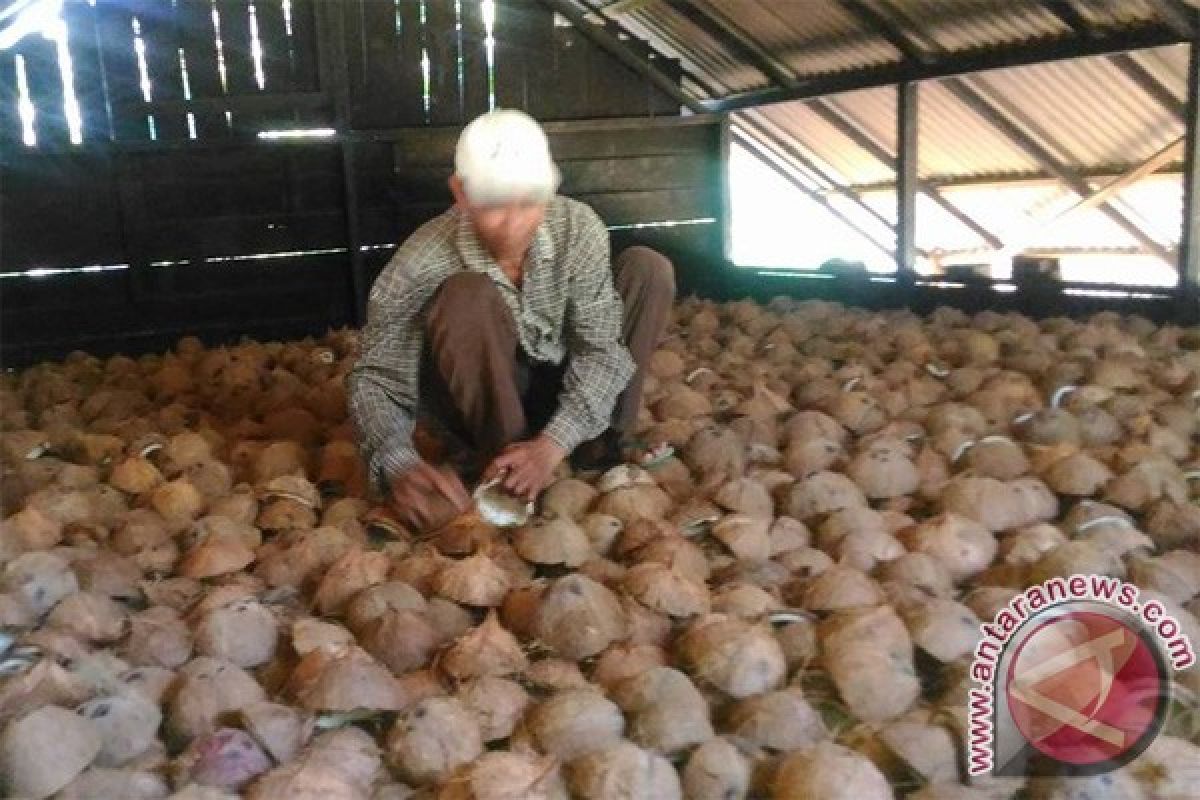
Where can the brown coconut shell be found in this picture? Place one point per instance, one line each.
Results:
(664, 710)
(343, 678)
(578, 618)
(43, 751)
(432, 739)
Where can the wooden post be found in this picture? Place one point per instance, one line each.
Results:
(907, 109)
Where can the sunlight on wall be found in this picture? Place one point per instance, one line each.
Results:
(775, 225)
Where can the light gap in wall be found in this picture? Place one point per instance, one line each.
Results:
(139, 49)
(57, 30)
(187, 92)
(256, 50)
(426, 77)
(459, 64)
(25, 107)
(487, 10)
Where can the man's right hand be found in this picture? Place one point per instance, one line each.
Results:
(426, 497)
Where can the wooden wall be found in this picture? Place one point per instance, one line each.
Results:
(187, 222)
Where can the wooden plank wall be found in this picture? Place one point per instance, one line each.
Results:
(173, 201)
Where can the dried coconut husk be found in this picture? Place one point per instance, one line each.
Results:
(301, 558)
(374, 601)
(641, 532)
(43, 751)
(487, 650)
(664, 710)
(747, 537)
(578, 617)
(804, 457)
(464, 535)
(473, 581)
(829, 771)
(111, 575)
(339, 765)
(554, 675)
(449, 619)
(26, 531)
(177, 593)
(624, 770)
(224, 759)
(570, 724)
(662, 589)
(344, 678)
(569, 498)
(624, 660)
(1172, 524)
(183, 450)
(744, 600)
(681, 401)
(920, 571)
(1143, 484)
(215, 556)
(635, 502)
(95, 783)
(213, 526)
(716, 770)
(602, 531)
(281, 730)
(746, 496)
(964, 546)
(177, 500)
(505, 776)
(868, 654)
(308, 634)
(1175, 574)
(943, 628)
(1078, 474)
(788, 533)
(498, 704)
(401, 640)
(241, 505)
(780, 720)
(916, 745)
(1078, 557)
(838, 588)
(243, 633)
(997, 457)
(205, 689)
(736, 657)
(127, 724)
(823, 493)
(358, 569)
(136, 475)
(281, 514)
(38, 580)
(90, 616)
(866, 549)
(552, 542)
(1027, 545)
(432, 739)
(158, 637)
(716, 454)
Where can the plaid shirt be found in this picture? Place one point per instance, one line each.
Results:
(566, 306)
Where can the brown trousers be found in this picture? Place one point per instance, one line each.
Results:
(477, 379)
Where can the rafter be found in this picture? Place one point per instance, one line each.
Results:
(886, 28)
(732, 38)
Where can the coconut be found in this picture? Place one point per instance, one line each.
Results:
(1175, 574)
(308, 634)
(177, 500)
(662, 589)
(625, 660)
(1078, 474)
(807, 456)
(716, 454)
(1078, 557)
(127, 724)
(965, 547)
(682, 402)
(552, 541)
(925, 748)
(573, 723)
(665, 712)
(829, 770)
(473, 581)
(733, 656)
(919, 570)
(787, 533)
(225, 759)
(570, 498)
(498, 705)
(601, 530)
(157, 637)
(823, 493)
(716, 770)
(243, 633)
(746, 536)
(26, 531)
(744, 600)
(868, 654)
(97, 783)
(746, 496)
(943, 628)
(577, 618)
(624, 770)
(805, 562)
(555, 675)
(373, 601)
(344, 678)
(1027, 545)
(488, 650)
(840, 588)
(449, 619)
(402, 640)
(882, 473)
(43, 751)
(997, 457)
(1171, 524)
(39, 581)
(780, 720)
(432, 739)
(339, 764)
(90, 616)
(214, 556)
(281, 730)
(350, 574)
(505, 776)
(635, 502)
(205, 689)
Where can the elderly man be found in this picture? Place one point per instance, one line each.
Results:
(504, 320)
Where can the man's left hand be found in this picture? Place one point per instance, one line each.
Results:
(529, 466)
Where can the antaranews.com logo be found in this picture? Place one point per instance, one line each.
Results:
(1073, 678)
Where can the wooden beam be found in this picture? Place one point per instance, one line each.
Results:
(886, 28)
(1148, 83)
(1001, 121)
(728, 35)
(907, 110)
(1066, 13)
(1058, 48)
(1189, 245)
(1177, 15)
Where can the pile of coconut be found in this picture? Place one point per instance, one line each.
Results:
(197, 602)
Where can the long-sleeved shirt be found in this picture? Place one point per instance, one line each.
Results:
(566, 308)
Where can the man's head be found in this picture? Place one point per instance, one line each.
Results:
(503, 178)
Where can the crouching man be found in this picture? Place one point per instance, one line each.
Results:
(505, 321)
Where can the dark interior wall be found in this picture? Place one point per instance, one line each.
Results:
(225, 234)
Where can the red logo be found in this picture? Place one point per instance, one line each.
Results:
(1086, 689)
